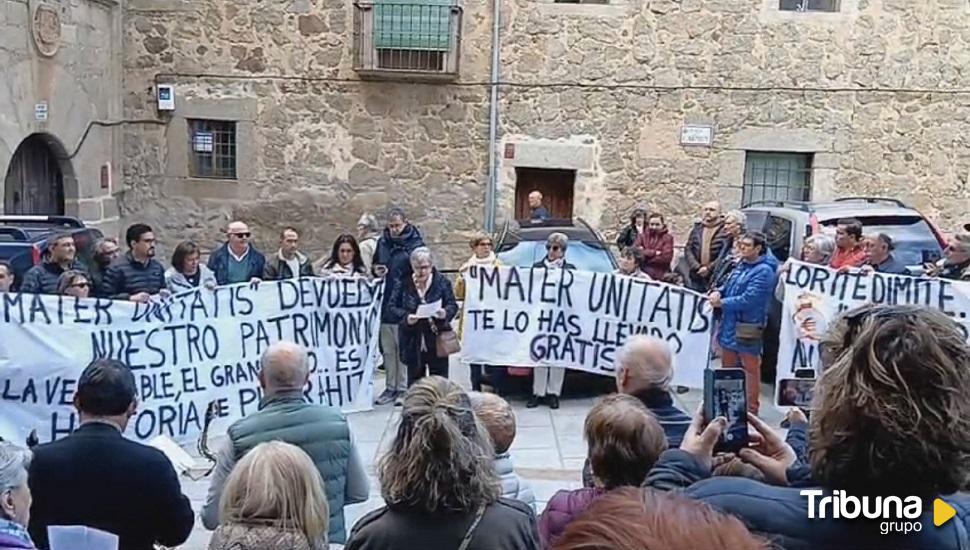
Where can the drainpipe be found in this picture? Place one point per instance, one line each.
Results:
(492, 188)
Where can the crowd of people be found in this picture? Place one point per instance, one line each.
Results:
(890, 418)
(890, 401)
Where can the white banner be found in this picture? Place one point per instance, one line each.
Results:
(185, 351)
(816, 295)
(578, 319)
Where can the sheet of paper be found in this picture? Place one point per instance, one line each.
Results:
(181, 460)
(79, 537)
(427, 311)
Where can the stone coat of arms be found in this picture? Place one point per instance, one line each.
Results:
(46, 27)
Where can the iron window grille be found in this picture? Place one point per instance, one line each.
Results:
(212, 149)
(831, 6)
(776, 177)
(414, 36)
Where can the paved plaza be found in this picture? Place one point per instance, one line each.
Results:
(548, 450)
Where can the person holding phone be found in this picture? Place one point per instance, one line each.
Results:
(743, 302)
(392, 263)
(955, 265)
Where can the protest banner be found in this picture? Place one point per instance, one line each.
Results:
(578, 319)
(185, 351)
(816, 295)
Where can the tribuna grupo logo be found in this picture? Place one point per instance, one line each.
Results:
(899, 514)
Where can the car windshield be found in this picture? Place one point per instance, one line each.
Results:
(913, 238)
(584, 256)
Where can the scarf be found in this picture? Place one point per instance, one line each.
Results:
(15, 532)
(554, 264)
(475, 260)
(422, 288)
(707, 239)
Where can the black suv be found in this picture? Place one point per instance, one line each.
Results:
(23, 240)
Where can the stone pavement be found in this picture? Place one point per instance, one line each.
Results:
(548, 450)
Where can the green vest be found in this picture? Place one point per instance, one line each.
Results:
(321, 431)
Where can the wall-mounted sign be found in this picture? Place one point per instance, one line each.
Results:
(510, 151)
(40, 111)
(106, 175)
(692, 134)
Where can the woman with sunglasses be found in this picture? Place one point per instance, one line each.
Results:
(547, 381)
(956, 262)
(483, 256)
(74, 283)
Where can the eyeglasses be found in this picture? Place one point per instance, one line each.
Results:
(241, 235)
(555, 248)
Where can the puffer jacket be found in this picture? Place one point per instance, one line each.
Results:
(745, 298)
(42, 279)
(513, 486)
(126, 277)
(394, 253)
(563, 508)
(237, 536)
(781, 513)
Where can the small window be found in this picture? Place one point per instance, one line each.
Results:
(831, 6)
(776, 177)
(212, 149)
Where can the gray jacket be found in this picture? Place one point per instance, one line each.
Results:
(176, 282)
(513, 486)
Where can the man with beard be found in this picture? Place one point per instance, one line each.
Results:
(704, 245)
(136, 276)
(392, 260)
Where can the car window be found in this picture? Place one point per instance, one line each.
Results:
(913, 238)
(778, 232)
(584, 256)
(755, 219)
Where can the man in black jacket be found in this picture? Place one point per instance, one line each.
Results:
(704, 245)
(288, 263)
(97, 478)
(61, 257)
(137, 276)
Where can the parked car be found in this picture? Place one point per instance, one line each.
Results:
(786, 224)
(523, 243)
(23, 240)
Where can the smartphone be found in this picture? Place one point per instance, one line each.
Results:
(796, 392)
(804, 373)
(724, 395)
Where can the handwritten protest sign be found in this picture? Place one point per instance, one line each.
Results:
(816, 295)
(185, 352)
(578, 320)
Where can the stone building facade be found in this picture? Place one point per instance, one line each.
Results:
(595, 101)
(60, 104)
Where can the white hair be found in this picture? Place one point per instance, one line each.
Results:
(740, 217)
(559, 239)
(420, 254)
(14, 461)
(649, 361)
(285, 365)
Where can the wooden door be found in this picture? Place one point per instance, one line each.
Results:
(557, 188)
(34, 183)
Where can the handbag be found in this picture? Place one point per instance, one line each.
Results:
(467, 540)
(447, 343)
(748, 334)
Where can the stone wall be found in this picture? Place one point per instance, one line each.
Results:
(878, 94)
(78, 75)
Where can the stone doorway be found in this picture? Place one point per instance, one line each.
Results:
(34, 183)
(558, 187)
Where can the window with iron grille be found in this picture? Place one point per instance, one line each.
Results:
(212, 149)
(810, 5)
(776, 177)
(413, 35)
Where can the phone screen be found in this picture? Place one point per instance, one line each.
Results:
(725, 396)
(796, 392)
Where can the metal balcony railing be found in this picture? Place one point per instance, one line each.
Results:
(420, 38)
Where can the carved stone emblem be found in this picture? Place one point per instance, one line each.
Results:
(46, 27)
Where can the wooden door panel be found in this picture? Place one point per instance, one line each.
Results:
(557, 188)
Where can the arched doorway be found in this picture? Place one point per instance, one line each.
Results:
(35, 179)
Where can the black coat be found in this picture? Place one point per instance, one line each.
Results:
(627, 237)
(405, 301)
(96, 477)
(506, 525)
(42, 279)
(127, 276)
(394, 253)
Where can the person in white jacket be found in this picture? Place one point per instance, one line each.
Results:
(496, 415)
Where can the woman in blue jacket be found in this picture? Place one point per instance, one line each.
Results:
(743, 301)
